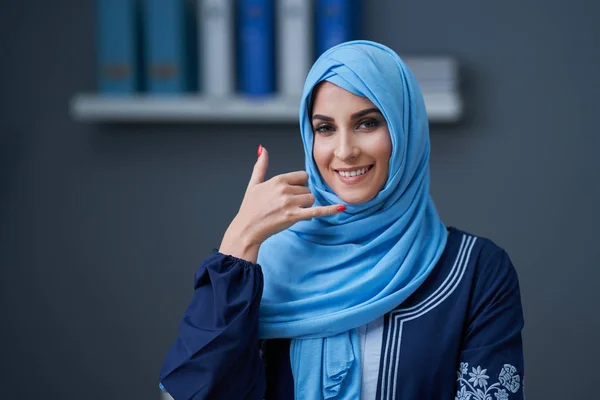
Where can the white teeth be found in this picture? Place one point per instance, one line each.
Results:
(347, 174)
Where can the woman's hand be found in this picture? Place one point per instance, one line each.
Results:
(270, 207)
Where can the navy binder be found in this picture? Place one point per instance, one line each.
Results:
(255, 32)
(336, 21)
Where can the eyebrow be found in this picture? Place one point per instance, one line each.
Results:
(357, 114)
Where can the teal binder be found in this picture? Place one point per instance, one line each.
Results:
(169, 43)
(118, 57)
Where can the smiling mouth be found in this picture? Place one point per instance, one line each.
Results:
(353, 175)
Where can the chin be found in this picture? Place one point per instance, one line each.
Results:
(356, 198)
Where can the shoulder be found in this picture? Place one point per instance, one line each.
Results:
(469, 266)
(483, 256)
(475, 269)
(491, 279)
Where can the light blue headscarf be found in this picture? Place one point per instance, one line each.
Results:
(325, 277)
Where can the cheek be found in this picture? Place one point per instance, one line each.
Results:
(321, 155)
(383, 152)
(380, 147)
(386, 153)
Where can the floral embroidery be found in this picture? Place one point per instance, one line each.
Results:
(478, 377)
(464, 368)
(509, 378)
(462, 394)
(475, 385)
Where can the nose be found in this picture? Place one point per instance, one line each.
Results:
(346, 147)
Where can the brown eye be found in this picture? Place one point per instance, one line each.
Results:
(370, 123)
(323, 129)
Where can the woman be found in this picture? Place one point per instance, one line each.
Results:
(341, 282)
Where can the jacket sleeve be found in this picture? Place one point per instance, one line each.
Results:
(491, 361)
(216, 354)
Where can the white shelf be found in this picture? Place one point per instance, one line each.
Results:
(189, 108)
(438, 78)
(443, 106)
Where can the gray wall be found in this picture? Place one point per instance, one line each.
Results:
(101, 228)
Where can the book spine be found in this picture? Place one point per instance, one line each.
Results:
(256, 64)
(166, 50)
(336, 22)
(216, 50)
(294, 49)
(117, 38)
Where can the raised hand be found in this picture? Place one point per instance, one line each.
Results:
(270, 207)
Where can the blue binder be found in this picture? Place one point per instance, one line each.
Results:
(117, 47)
(256, 59)
(169, 46)
(336, 21)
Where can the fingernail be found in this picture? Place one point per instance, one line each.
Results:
(260, 149)
(341, 208)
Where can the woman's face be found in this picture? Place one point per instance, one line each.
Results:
(352, 145)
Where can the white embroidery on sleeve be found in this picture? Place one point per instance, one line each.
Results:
(474, 385)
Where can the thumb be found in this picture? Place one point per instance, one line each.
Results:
(260, 167)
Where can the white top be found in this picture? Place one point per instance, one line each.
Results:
(371, 336)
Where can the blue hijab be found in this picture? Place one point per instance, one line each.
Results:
(327, 276)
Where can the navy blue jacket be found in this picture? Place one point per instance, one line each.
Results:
(457, 337)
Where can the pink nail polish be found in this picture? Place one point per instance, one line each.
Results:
(260, 149)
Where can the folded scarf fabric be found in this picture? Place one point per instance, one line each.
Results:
(327, 276)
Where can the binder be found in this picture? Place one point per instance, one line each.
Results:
(216, 47)
(434, 74)
(169, 46)
(336, 21)
(256, 64)
(117, 47)
(294, 48)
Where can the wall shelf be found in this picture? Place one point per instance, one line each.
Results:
(438, 78)
(443, 106)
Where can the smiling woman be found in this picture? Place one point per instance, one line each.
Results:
(341, 281)
(352, 145)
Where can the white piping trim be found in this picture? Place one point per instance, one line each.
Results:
(390, 327)
(398, 317)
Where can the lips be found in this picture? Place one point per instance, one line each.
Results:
(353, 175)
